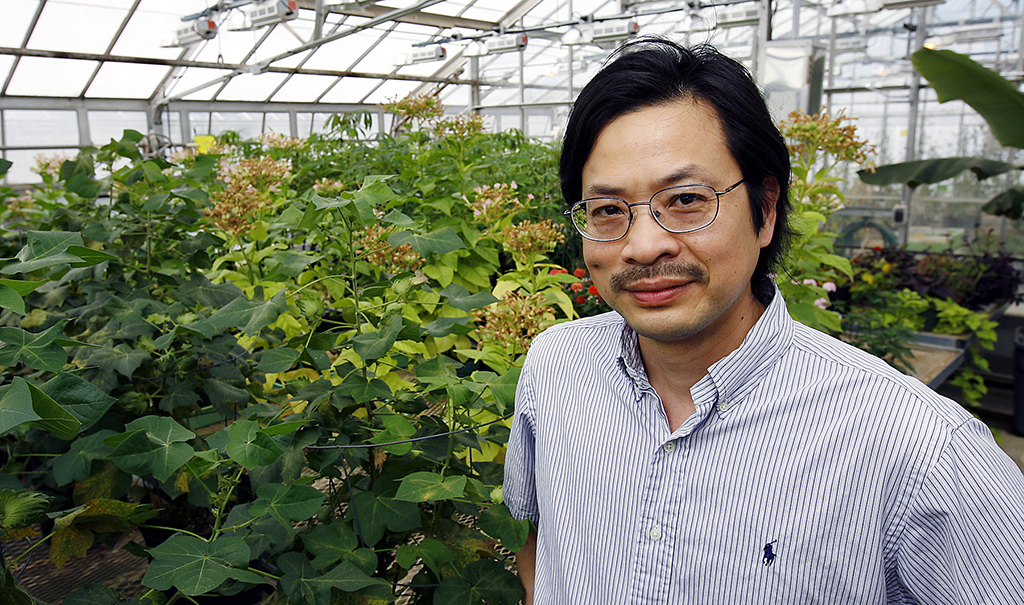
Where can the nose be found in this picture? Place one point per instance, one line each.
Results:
(647, 242)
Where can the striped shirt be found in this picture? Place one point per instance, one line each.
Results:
(811, 472)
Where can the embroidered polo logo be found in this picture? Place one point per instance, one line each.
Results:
(769, 554)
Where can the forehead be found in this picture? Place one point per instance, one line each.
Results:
(658, 146)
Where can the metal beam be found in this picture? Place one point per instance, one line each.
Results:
(416, 18)
(30, 52)
(28, 35)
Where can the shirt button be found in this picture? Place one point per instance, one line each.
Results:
(723, 406)
(656, 532)
(668, 447)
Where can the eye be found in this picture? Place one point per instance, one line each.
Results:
(684, 199)
(606, 209)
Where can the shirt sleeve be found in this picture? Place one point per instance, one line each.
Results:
(963, 541)
(520, 488)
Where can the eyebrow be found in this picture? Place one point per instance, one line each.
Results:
(690, 174)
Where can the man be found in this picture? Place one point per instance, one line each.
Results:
(700, 446)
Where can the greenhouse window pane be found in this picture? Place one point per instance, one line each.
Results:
(247, 124)
(151, 25)
(17, 17)
(126, 81)
(349, 90)
(303, 88)
(44, 77)
(40, 127)
(247, 87)
(24, 161)
(94, 24)
(107, 125)
(171, 126)
(277, 122)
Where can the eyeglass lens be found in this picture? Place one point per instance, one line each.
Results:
(678, 209)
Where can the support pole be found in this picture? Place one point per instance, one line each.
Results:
(915, 92)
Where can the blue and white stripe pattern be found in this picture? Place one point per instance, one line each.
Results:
(811, 472)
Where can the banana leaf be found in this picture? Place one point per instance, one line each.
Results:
(921, 172)
(955, 76)
(1009, 203)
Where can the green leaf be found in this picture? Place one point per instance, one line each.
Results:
(196, 567)
(923, 172)
(208, 294)
(201, 167)
(956, 76)
(442, 241)
(362, 390)
(301, 583)
(75, 465)
(250, 315)
(44, 249)
(10, 299)
(423, 486)
(37, 351)
(498, 523)
(1009, 203)
(396, 428)
(21, 286)
(330, 543)
(151, 444)
(121, 359)
(84, 185)
(379, 512)
(289, 263)
(52, 417)
(502, 387)
(482, 582)
(460, 298)
(433, 552)
(251, 447)
(443, 326)
(89, 256)
(278, 360)
(287, 503)
(374, 345)
(16, 405)
(79, 397)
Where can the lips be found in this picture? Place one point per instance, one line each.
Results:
(656, 294)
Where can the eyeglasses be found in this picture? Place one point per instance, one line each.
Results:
(678, 209)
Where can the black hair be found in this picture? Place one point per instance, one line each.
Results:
(654, 71)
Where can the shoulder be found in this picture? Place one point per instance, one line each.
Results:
(600, 330)
(879, 385)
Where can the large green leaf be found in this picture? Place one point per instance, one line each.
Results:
(10, 299)
(423, 486)
(374, 345)
(302, 584)
(482, 582)
(152, 444)
(442, 241)
(78, 396)
(287, 503)
(16, 405)
(37, 351)
(53, 418)
(924, 172)
(75, 465)
(330, 543)
(1009, 203)
(251, 447)
(956, 76)
(460, 298)
(279, 359)
(88, 256)
(195, 566)
(433, 552)
(250, 315)
(498, 522)
(44, 249)
(379, 512)
(121, 359)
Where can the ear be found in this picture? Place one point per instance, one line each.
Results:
(771, 197)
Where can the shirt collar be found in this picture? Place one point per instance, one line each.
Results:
(736, 374)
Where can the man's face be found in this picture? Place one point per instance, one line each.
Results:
(674, 287)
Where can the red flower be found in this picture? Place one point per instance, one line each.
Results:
(593, 290)
(579, 299)
(877, 248)
(576, 287)
(557, 271)
(581, 273)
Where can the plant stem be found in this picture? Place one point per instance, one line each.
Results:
(174, 529)
(224, 503)
(33, 547)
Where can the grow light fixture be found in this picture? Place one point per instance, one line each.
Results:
(850, 45)
(614, 31)
(195, 31)
(505, 44)
(270, 12)
(425, 55)
(898, 4)
(737, 16)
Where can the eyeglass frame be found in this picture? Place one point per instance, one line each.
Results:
(632, 215)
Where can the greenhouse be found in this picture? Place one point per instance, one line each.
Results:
(271, 270)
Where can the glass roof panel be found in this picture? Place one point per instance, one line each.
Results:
(93, 24)
(248, 87)
(45, 77)
(5, 67)
(391, 90)
(126, 81)
(17, 17)
(341, 55)
(152, 25)
(195, 77)
(303, 88)
(349, 90)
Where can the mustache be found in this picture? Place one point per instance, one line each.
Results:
(623, 279)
